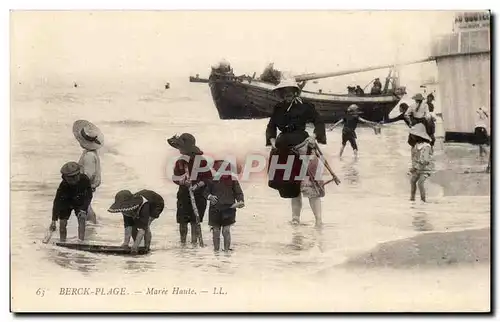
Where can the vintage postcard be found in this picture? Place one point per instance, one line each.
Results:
(250, 161)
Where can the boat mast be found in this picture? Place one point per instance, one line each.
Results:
(305, 77)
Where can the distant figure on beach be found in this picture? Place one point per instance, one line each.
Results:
(75, 85)
(481, 133)
(186, 144)
(430, 100)
(167, 85)
(351, 121)
(290, 116)
(74, 194)
(138, 210)
(421, 161)
(225, 195)
(91, 140)
(377, 87)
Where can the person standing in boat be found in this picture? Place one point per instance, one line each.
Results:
(186, 144)
(351, 121)
(73, 195)
(91, 140)
(359, 91)
(138, 210)
(290, 117)
(377, 87)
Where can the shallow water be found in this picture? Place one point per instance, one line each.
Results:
(274, 266)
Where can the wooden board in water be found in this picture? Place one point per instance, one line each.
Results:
(106, 249)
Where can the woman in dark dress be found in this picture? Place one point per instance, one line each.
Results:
(290, 116)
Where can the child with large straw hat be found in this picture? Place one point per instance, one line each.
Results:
(421, 160)
(91, 140)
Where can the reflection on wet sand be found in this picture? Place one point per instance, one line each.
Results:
(421, 222)
(75, 260)
(351, 173)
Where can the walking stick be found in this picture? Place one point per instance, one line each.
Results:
(196, 213)
(320, 156)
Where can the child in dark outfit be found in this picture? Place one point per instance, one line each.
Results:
(74, 194)
(351, 121)
(225, 195)
(139, 210)
(183, 169)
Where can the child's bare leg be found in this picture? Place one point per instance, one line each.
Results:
(226, 233)
(315, 204)
(183, 230)
(81, 228)
(296, 209)
(421, 186)
(194, 233)
(341, 150)
(216, 237)
(413, 186)
(63, 232)
(354, 146)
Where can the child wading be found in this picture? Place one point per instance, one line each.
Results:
(421, 160)
(351, 121)
(74, 194)
(186, 144)
(139, 210)
(225, 195)
(91, 140)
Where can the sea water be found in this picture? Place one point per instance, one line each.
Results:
(274, 266)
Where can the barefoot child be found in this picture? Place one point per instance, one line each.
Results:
(197, 175)
(139, 210)
(91, 140)
(421, 160)
(74, 194)
(351, 121)
(225, 195)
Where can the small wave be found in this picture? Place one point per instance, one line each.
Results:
(128, 123)
(28, 186)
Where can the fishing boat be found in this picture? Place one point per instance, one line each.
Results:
(197, 79)
(245, 97)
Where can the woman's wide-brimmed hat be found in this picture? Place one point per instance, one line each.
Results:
(88, 135)
(125, 201)
(70, 169)
(287, 83)
(418, 97)
(419, 130)
(185, 143)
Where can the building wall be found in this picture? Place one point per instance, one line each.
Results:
(464, 86)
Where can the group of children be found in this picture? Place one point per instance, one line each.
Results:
(80, 181)
(421, 122)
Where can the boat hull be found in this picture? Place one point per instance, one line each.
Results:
(249, 99)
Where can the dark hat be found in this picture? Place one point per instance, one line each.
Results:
(185, 143)
(70, 169)
(125, 201)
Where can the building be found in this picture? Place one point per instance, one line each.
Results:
(464, 72)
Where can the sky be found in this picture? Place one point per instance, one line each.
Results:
(162, 44)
